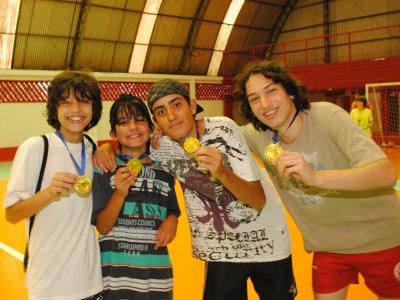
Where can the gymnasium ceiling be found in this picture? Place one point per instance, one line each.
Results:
(183, 35)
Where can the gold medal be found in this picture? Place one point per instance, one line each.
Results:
(135, 165)
(272, 151)
(191, 144)
(83, 185)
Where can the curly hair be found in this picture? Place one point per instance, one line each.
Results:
(83, 85)
(278, 74)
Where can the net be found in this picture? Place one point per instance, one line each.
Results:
(384, 99)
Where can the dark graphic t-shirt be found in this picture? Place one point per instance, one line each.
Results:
(130, 264)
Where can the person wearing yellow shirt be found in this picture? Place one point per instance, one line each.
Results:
(362, 115)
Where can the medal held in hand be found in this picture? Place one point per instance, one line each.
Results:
(83, 185)
(135, 165)
(191, 144)
(272, 151)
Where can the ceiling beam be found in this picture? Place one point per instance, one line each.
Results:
(192, 35)
(77, 37)
(278, 26)
(327, 47)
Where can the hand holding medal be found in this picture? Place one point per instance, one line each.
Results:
(83, 185)
(191, 144)
(135, 165)
(210, 161)
(272, 151)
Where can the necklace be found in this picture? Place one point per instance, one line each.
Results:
(84, 184)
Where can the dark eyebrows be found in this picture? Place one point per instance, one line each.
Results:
(170, 102)
(264, 88)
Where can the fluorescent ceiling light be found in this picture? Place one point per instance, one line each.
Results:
(138, 58)
(9, 10)
(143, 36)
(223, 36)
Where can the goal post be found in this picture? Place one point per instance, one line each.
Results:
(384, 100)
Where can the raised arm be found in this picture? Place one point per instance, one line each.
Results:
(377, 174)
(248, 192)
(61, 182)
(106, 218)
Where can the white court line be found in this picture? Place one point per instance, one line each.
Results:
(12, 252)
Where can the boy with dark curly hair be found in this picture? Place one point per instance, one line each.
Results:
(335, 181)
(64, 257)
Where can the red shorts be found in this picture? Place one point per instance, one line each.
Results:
(381, 271)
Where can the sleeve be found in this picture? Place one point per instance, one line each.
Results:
(102, 192)
(359, 148)
(173, 206)
(247, 132)
(24, 171)
(165, 153)
(239, 155)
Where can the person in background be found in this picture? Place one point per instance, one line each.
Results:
(336, 183)
(135, 211)
(64, 256)
(362, 115)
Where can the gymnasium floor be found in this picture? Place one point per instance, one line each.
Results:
(188, 271)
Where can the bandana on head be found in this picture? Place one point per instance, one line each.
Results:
(167, 87)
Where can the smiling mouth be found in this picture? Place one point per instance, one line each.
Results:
(175, 126)
(271, 113)
(75, 119)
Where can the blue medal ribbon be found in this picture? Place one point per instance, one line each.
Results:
(126, 157)
(80, 169)
(275, 137)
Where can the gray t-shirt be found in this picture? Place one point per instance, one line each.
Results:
(223, 228)
(334, 221)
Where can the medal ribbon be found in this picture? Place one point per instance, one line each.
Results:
(80, 169)
(275, 137)
(126, 157)
(197, 132)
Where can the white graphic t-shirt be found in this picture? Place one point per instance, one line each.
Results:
(222, 227)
